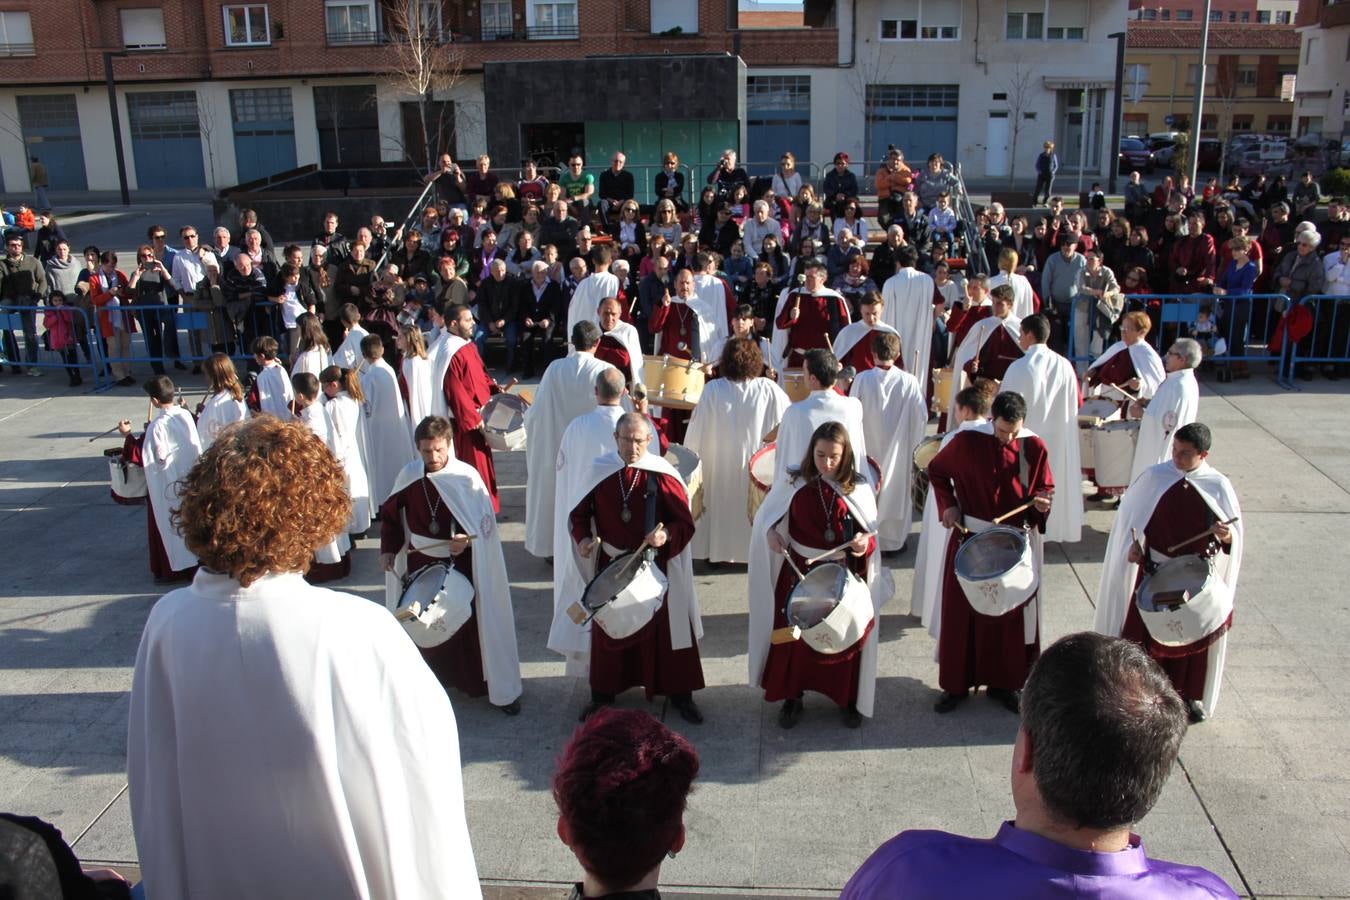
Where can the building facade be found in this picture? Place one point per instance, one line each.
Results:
(1322, 98)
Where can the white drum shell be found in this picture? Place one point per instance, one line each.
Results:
(504, 440)
(1093, 412)
(1209, 606)
(1113, 452)
(438, 621)
(127, 485)
(761, 478)
(1008, 590)
(690, 467)
(634, 606)
(847, 622)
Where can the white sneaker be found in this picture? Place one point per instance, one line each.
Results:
(33, 372)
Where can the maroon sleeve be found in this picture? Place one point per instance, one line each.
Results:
(1039, 480)
(942, 474)
(391, 524)
(657, 323)
(458, 396)
(579, 520)
(784, 319)
(132, 449)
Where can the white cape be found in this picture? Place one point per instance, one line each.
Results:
(586, 299)
(439, 353)
(418, 374)
(288, 740)
(852, 333)
(1148, 366)
(711, 306)
(926, 594)
(802, 419)
(1115, 591)
(169, 449)
(778, 341)
(971, 346)
(1174, 404)
(389, 445)
(219, 411)
(763, 574)
(347, 426)
(1048, 383)
(462, 489)
(348, 355)
(909, 310)
(726, 429)
(894, 419)
(628, 336)
(572, 573)
(317, 421)
(274, 391)
(313, 361)
(566, 392)
(1024, 296)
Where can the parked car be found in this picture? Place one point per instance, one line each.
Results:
(1135, 155)
(1164, 153)
(1210, 154)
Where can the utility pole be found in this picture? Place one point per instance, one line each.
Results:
(1116, 107)
(116, 123)
(1197, 110)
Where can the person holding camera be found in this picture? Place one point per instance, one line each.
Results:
(449, 179)
(149, 283)
(727, 176)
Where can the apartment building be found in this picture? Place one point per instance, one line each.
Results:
(1322, 99)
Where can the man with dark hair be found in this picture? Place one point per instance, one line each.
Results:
(467, 387)
(807, 318)
(990, 637)
(1179, 509)
(823, 404)
(1100, 731)
(593, 288)
(854, 343)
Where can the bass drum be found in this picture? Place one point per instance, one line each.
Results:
(923, 455)
(794, 384)
(672, 382)
(761, 478)
(690, 467)
(1113, 451)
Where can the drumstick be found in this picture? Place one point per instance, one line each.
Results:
(99, 435)
(1190, 540)
(1023, 508)
(510, 384)
(1125, 392)
(816, 559)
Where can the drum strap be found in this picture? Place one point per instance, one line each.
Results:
(649, 517)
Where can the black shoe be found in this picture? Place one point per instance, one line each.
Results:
(126, 382)
(1099, 497)
(948, 702)
(197, 369)
(1011, 700)
(790, 713)
(852, 718)
(510, 709)
(687, 709)
(1224, 376)
(177, 364)
(1195, 714)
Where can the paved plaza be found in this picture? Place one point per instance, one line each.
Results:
(1261, 794)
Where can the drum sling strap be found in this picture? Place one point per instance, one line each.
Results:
(649, 515)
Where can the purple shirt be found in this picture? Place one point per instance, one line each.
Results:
(1018, 864)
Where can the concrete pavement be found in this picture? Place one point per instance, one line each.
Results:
(1261, 794)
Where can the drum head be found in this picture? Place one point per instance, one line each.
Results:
(1173, 581)
(423, 586)
(761, 466)
(504, 412)
(1099, 408)
(927, 449)
(685, 461)
(816, 595)
(607, 585)
(991, 553)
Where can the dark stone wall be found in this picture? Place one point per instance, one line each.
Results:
(605, 88)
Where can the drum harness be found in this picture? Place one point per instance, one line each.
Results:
(834, 318)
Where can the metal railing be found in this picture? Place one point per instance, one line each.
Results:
(530, 33)
(19, 352)
(978, 263)
(1328, 342)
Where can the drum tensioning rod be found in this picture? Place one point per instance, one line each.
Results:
(1190, 540)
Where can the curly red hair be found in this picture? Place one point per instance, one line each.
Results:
(262, 499)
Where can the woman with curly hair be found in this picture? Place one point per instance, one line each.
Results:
(280, 723)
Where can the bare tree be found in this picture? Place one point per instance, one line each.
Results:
(1021, 86)
(870, 71)
(424, 62)
(206, 121)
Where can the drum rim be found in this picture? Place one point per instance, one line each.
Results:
(413, 577)
(613, 563)
(1009, 530)
(840, 574)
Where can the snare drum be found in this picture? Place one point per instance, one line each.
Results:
(126, 480)
(1094, 412)
(830, 609)
(923, 455)
(944, 386)
(996, 570)
(794, 384)
(625, 596)
(1113, 454)
(504, 422)
(687, 463)
(761, 478)
(672, 382)
(1183, 601)
(437, 601)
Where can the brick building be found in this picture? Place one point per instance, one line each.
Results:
(213, 94)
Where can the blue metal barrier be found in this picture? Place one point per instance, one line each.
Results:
(19, 353)
(1329, 341)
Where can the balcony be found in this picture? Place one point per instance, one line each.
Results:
(356, 38)
(531, 33)
(17, 50)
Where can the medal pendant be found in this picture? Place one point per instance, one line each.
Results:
(682, 346)
(829, 535)
(626, 515)
(435, 527)
(684, 329)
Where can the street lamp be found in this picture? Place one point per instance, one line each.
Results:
(116, 123)
(1198, 109)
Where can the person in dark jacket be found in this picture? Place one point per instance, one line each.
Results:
(1047, 165)
(840, 186)
(498, 311)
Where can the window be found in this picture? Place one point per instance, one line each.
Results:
(1026, 26)
(1136, 82)
(1057, 33)
(1308, 51)
(926, 20)
(1191, 69)
(1279, 124)
(1150, 15)
(778, 92)
(1216, 16)
(143, 29)
(1246, 76)
(1284, 18)
(246, 26)
(551, 20)
(1167, 15)
(496, 19)
(350, 21)
(667, 15)
(1263, 16)
(1242, 123)
(16, 34)
(1245, 17)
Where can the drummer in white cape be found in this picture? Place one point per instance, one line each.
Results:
(894, 418)
(440, 510)
(169, 447)
(972, 411)
(1049, 384)
(389, 445)
(619, 344)
(1130, 369)
(734, 414)
(248, 669)
(627, 500)
(1024, 295)
(690, 325)
(853, 346)
(566, 392)
(1175, 403)
(592, 289)
(333, 560)
(826, 515)
(807, 318)
(989, 632)
(823, 404)
(910, 296)
(271, 385)
(992, 343)
(1180, 523)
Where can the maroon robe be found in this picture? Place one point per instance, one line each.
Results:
(1181, 513)
(458, 662)
(961, 327)
(612, 350)
(794, 668)
(467, 387)
(999, 350)
(980, 476)
(813, 328)
(1116, 370)
(645, 658)
(132, 451)
(674, 326)
(860, 355)
(1197, 255)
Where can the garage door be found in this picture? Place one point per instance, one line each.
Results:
(51, 132)
(264, 132)
(166, 139)
(918, 118)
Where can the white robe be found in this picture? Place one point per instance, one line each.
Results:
(801, 420)
(726, 429)
(1048, 383)
(1148, 366)
(971, 346)
(566, 392)
(389, 445)
(313, 361)
(348, 355)
(1024, 296)
(763, 575)
(274, 391)
(925, 599)
(586, 300)
(909, 310)
(1175, 403)
(462, 489)
(778, 341)
(417, 375)
(1115, 591)
(711, 306)
(851, 334)
(628, 336)
(219, 411)
(316, 420)
(347, 425)
(572, 573)
(288, 740)
(439, 353)
(169, 449)
(895, 416)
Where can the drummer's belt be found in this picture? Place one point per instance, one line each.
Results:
(614, 552)
(823, 553)
(425, 544)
